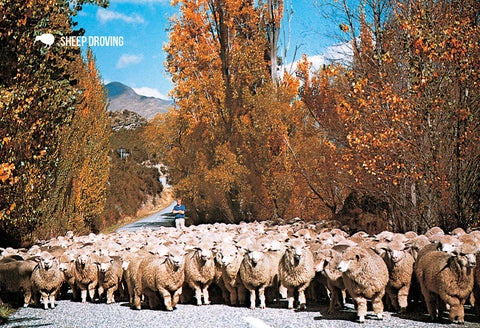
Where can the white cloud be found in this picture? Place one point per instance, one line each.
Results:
(126, 60)
(341, 52)
(104, 15)
(150, 92)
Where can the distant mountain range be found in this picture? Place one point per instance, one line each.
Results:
(123, 97)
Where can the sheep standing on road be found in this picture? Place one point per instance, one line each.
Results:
(327, 261)
(231, 258)
(259, 270)
(200, 271)
(296, 270)
(365, 276)
(47, 279)
(67, 266)
(86, 275)
(163, 274)
(15, 277)
(110, 276)
(400, 267)
(449, 277)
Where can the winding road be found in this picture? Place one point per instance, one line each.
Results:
(164, 218)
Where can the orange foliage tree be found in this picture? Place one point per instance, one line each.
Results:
(77, 200)
(223, 140)
(412, 112)
(37, 92)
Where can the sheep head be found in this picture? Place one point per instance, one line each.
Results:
(465, 255)
(104, 263)
(176, 256)
(296, 249)
(47, 260)
(351, 258)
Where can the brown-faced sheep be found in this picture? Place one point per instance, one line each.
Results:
(400, 269)
(200, 271)
(15, 277)
(163, 274)
(110, 276)
(86, 275)
(259, 270)
(47, 279)
(296, 270)
(365, 276)
(448, 277)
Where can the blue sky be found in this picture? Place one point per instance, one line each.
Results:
(142, 24)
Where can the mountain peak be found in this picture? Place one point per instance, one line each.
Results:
(123, 97)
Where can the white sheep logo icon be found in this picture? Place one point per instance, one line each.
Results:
(46, 38)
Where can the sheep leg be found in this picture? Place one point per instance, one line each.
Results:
(252, 299)
(403, 298)
(290, 293)
(206, 299)
(198, 294)
(137, 303)
(91, 293)
(282, 290)
(100, 291)
(429, 301)
(361, 308)
(176, 297)
(241, 293)
(377, 305)
(261, 296)
(167, 298)
(233, 294)
(110, 294)
(45, 298)
(84, 295)
(52, 300)
(26, 298)
(302, 300)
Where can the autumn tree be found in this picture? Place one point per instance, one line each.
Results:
(78, 198)
(37, 93)
(412, 112)
(223, 141)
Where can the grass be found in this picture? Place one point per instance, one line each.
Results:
(5, 312)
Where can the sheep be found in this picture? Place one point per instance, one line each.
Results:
(400, 267)
(110, 276)
(365, 276)
(86, 275)
(47, 279)
(449, 278)
(259, 270)
(67, 266)
(326, 262)
(296, 270)
(200, 271)
(164, 274)
(230, 259)
(15, 277)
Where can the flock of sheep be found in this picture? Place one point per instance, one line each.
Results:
(290, 261)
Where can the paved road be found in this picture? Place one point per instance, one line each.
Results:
(69, 314)
(163, 218)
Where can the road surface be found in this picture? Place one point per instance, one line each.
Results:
(164, 218)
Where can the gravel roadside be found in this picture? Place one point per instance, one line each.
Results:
(77, 315)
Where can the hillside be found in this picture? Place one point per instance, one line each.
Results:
(123, 97)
